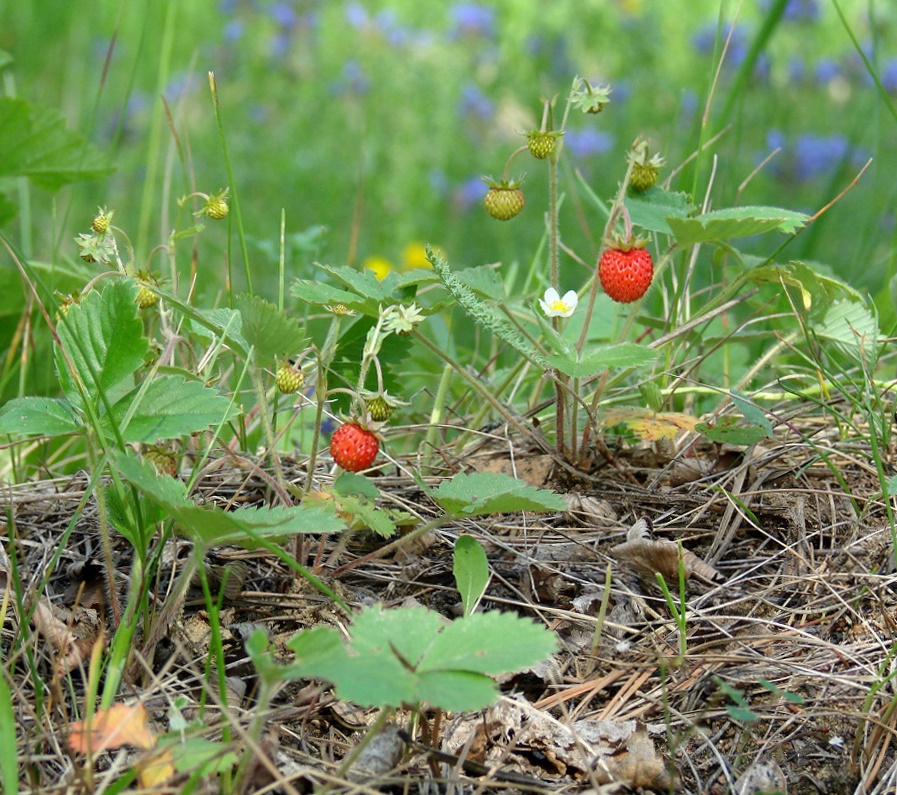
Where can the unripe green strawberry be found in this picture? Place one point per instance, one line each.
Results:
(542, 144)
(645, 167)
(146, 297)
(289, 379)
(354, 448)
(101, 221)
(643, 177)
(504, 199)
(162, 460)
(378, 409)
(626, 274)
(217, 208)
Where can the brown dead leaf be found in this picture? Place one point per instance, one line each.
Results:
(532, 469)
(649, 425)
(71, 633)
(120, 724)
(648, 557)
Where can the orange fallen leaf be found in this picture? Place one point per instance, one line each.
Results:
(121, 724)
(649, 425)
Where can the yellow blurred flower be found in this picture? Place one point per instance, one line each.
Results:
(379, 265)
(415, 256)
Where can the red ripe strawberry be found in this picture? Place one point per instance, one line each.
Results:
(626, 274)
(354, 448)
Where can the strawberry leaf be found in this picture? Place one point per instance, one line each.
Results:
(652, 210)
(212, 527)
(35, 143)
(168, 407)
(622, 354)
(413, 655)
(39, 415)
(268, 329)
(102, 338)
(734, 222)
(493, 492)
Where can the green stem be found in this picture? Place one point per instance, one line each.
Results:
(233, 189)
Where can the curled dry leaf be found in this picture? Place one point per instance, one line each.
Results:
(71, 634)
(121, 724)
(648, 557)
(589, 509)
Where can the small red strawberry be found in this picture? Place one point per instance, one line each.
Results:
(626, 273)
(354, 448)
(504, 199)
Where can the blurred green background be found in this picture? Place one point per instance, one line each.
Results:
(375, 120)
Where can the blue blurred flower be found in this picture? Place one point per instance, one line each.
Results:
(475, 104)
(283, 14)
(393, 31)
(587, 142)
(888, 76)
(797, 69)
(472, 19)
(354, 80)
(810, 155)
(357, 15)
(233, 31)
(826, 70)
(469, 193)
(818, 154)
(704, 41)
(796, 10)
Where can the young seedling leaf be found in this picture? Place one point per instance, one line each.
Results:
(651, 210)
(268, 329)
(456, 691)
(491, 492)
(471, 569)
(398, 657)
(488, 643)
(103, 339)
(623, 354)
(735, 222)
(406, 633)
(35, 143)
(38, 415)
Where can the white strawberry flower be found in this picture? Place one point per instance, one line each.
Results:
(555, 306)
